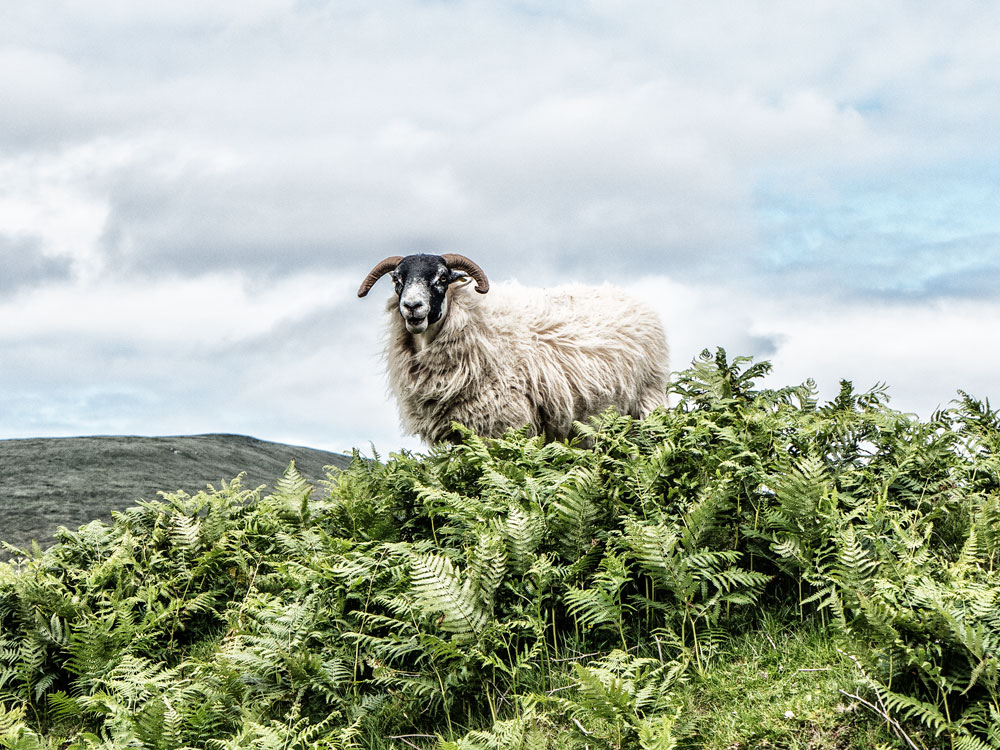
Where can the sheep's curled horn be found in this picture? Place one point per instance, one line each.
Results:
(461, 263)
(380, 270)
(452, 260)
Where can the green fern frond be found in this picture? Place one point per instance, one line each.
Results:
(910, 708)
(523, 531)
(291, 494)
(854, 565)
(440, 589)
(574, 511)
(592, 606)
(657, 549)
(291, 485)
(184, 534)
(657, 733)
(603, 693)
(969, 742)
(486, 567)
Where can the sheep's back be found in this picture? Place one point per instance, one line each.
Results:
(589, 348)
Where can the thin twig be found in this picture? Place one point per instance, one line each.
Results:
(881, 710)
(891, 721)
(577, 658)
(404, 736)
(500, 693)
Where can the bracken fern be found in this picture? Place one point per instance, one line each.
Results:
(513, 593)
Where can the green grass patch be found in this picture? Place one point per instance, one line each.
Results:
(784, 684)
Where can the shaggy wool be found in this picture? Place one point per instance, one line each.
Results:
(521, 356)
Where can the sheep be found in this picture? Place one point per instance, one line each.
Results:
(520, 356)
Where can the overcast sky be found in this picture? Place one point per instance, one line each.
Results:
(191, 192)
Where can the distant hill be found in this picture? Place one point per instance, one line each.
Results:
(46, 483)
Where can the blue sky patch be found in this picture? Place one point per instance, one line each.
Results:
(918, 236)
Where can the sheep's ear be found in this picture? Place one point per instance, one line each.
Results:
(456, 275)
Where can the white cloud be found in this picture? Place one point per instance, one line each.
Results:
(924, 351)
(46, 200)
(191, 314)
(180, 355)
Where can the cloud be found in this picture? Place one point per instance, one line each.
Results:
(272, 138)
(924, 350)
(202, 312)
(194, 355)
(26, 266)
(190, 192)
(548, 136)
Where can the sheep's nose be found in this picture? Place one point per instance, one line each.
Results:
(411, 306)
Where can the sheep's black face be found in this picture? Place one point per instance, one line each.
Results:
(422, 286)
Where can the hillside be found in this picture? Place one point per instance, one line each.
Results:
(51, 482)
(750, 568)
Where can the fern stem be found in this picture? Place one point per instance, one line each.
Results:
(555, 635)
(621, 632)
(697, 648)
(444, 703)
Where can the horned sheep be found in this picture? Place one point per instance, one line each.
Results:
(517, 356)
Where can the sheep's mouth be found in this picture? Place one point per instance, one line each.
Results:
(415, 324)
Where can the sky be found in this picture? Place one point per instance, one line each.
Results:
(191, 193)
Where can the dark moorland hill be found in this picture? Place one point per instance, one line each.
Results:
(46, 483)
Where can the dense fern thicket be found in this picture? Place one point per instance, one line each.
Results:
(511, 593)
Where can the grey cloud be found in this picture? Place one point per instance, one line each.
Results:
(961, 269)
(24, 265)
(762, 347)
(292, 379)
(238, 222)
(306, 206)
(52, 100)
(422, 155)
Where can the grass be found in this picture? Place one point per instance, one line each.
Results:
(784, 684)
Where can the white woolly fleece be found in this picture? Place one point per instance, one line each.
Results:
(522, 356)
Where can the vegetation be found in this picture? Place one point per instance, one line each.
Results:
(747, 569)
